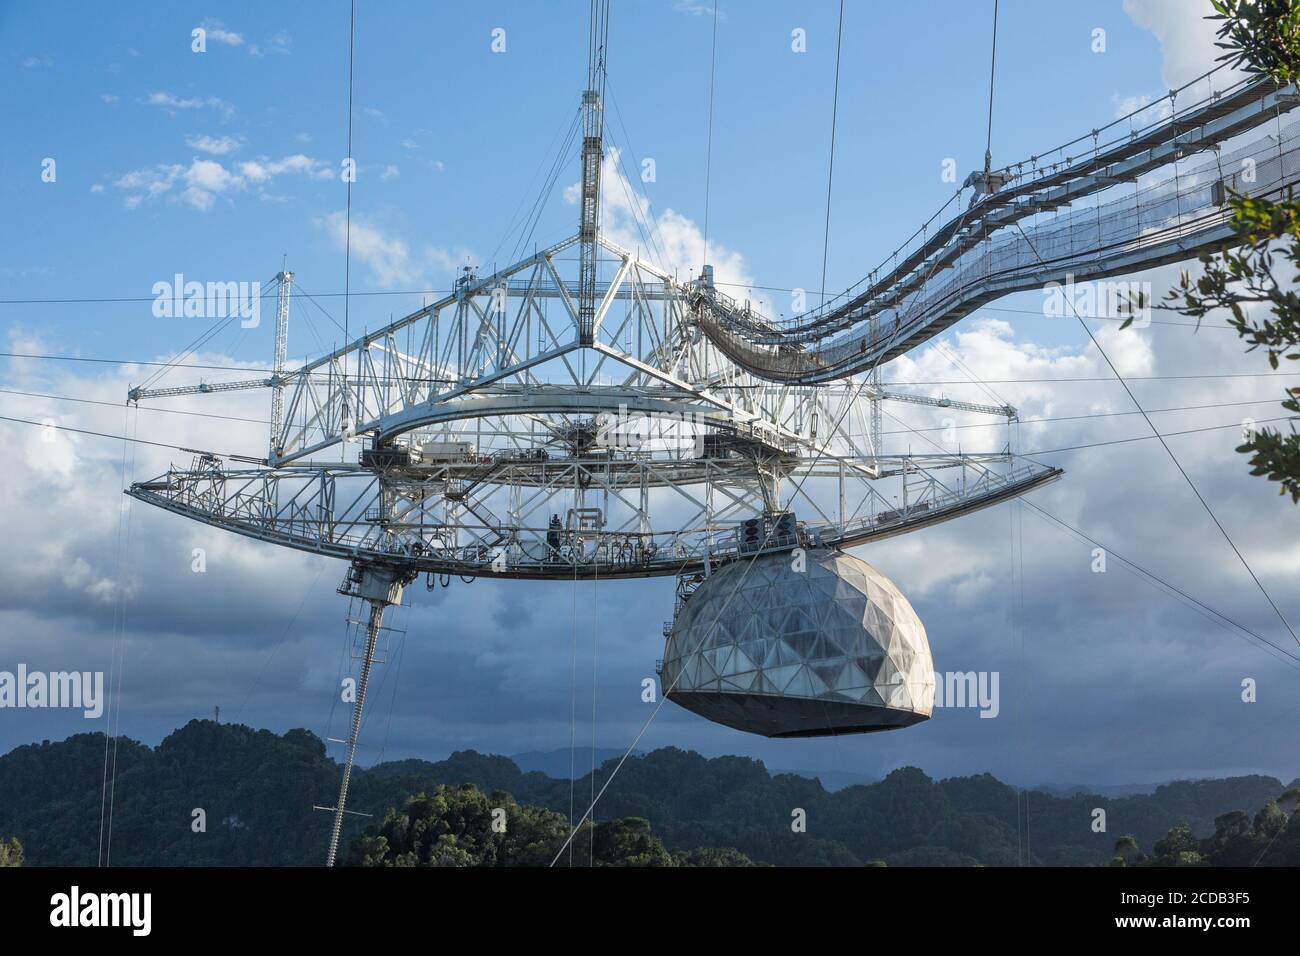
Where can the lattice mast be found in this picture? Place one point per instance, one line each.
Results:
(592, 154)
(285, 279)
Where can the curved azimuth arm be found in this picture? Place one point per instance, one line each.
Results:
(1030, 235)
(1057, 179)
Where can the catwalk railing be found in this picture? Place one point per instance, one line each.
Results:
(997, 247)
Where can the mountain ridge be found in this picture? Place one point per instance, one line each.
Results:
(256, 788)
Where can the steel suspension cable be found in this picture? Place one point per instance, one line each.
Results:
(708, 153)
(137, 441)
(1209, 612)
(1172, 457)
(993, 65)
(347, 234)
(830, 171)
(117, 572)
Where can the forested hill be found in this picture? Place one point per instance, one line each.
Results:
(257, 789)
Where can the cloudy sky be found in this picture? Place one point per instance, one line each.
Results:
(221, 163)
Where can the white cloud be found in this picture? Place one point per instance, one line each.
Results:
(172, 103)
(109, 98)
(390, 172)
(391, 260)
(699, 8)
(670, 240)
(277, 46)
(31, 62)
(153, 181)
(263, 169)
(218, 33)
(1187, 51)
(77, 565)
(1124, 105)
(1186, 38)
(199, 183)
(216, 146)
(203, 180)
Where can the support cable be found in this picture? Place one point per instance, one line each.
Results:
(347, 241)
(133, 440)
(1206, 611)
(591, 860)
(830, 171)
(197, 343)
(993, 64)
(559, 137)
(653, 222)
(1160, 435)
(1177, 464)
(119, 665)
(118, 598)
(708, 153)
(573, 689)
(528, 227)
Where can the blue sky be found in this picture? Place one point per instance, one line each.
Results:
(448, 134)
(216, 165)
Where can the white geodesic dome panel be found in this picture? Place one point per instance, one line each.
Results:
(835, 648)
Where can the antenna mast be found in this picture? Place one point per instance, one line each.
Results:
(277, 373)
(592, 153)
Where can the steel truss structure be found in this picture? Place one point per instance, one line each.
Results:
(582, 413)
(482, 420)
(579, 382)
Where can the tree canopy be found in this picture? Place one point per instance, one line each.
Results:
(1260, 37)
(257, 790)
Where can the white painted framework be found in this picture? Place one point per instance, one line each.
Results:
(466, 427)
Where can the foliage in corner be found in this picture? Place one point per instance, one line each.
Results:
(1260, 36)
(11, 852)
(1264, 312)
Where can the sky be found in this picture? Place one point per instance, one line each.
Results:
(226, 164)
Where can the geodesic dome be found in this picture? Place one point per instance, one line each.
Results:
(833, 649)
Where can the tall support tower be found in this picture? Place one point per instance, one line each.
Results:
(285, 279)
(379, 586)
(592, 154)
